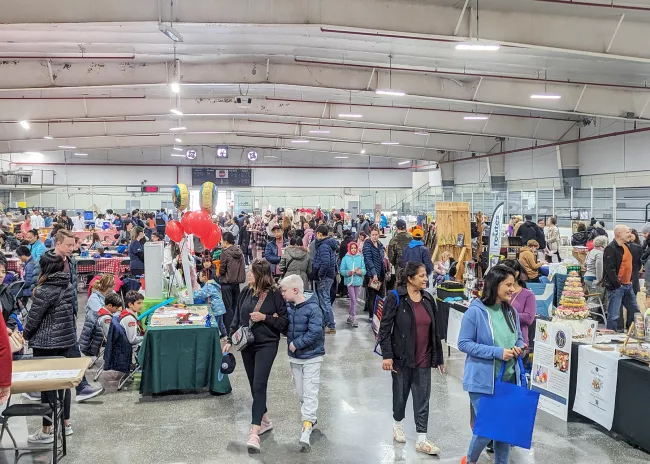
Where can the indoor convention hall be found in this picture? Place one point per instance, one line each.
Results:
(324, 231)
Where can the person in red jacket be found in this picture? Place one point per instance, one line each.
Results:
(5, 363)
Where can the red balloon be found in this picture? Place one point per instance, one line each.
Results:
(201, 223)
(212, 240)
(186, 222)
(174, 230)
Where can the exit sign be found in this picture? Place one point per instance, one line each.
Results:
(150, 189)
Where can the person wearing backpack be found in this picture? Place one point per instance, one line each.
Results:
(410, 348)
(397, 244)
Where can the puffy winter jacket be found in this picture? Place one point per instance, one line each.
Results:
(231, 270)
(374, 259)
(50, 322)
(531, 231)
(9, 307)
(136, 255)
(73, 277)
(396, 247)
(92, 335)
(118, 352)
(30, 277)
(95, 302)
(580, 239)
(212, 291)
(271, 254)
(350, 263)
(296, 261)
(416, 251)
(325, 260)
(305, 329)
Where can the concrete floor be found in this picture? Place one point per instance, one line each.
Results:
(354, 424)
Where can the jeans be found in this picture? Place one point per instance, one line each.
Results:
(417, 381)
(306, 378)
(49, 397)
(230, 295)
(623, 295)
(323, 288)
(353, 292)
(477, 444)
(258, 361)
(76, 353)
(223, 332)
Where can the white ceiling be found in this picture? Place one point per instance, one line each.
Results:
(96, 75)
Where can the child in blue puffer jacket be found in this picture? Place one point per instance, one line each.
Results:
(306, 340)
(353, 269)
(211, 292)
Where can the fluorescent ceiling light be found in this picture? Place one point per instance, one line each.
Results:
(170, 32)
(177, 149)
(363, 151)
(33, 153)
(175, 86)
(69, 147)
(177, 155)
(390, 92)
(390, 142)
(25, 124)
(270, 156)
(545, 96)
(478, 46)
(176, 112)
(350, 115)
(179, 128)
(476, 118)
(300, 141)
(404, 162)
(319, 131)
(341, 157)
(178, 140)
(49, 137)
(80, 154)
(420, 133)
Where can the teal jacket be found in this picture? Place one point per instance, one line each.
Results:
(350, 263)
(211, 291)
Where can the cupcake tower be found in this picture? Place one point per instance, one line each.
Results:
(572, 303)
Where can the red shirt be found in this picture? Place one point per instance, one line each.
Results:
(422, 335)
(625, 271)
(5, 356)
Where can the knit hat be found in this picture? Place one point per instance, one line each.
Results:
(227, 365)
(418, 233)
(646, 228)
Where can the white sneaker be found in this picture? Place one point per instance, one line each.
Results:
(304, 436)
(68, 430)
(427, 447)
(41, 437)
(398, 434)
(33, 396)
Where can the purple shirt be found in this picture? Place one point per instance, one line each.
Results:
(526, 306)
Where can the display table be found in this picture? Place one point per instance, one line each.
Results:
(632, 409)
(181, 358)
(13, 264)
(442, 315)
(105, 266)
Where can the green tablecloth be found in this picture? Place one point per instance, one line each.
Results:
(181, 358)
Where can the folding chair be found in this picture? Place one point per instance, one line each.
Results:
(594, 300)
(85, 263)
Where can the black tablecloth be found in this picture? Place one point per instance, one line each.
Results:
(632, 406)
(442, 315)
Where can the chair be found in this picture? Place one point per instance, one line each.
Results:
(16, 288)
(81, 263)
(594, 299)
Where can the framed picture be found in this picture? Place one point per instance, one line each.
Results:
(460, 241)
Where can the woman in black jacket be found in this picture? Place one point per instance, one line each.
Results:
(50, 329)
(261, 305)
(411, 347)
(136, 251)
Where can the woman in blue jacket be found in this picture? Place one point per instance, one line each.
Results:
(490, 335)
(373, 255)
(353, 270)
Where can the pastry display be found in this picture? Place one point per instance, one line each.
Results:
(573, 305)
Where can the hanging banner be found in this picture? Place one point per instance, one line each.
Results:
(552, 367)
(495, 235)
(596, 385)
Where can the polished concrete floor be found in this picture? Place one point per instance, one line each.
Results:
(354, 424)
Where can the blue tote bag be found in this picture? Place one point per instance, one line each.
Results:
(509, 414)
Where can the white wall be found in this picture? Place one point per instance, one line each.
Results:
(471, 171)
(530, 164)
(310, 178)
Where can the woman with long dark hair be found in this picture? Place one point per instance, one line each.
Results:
(50, 329)
(490, 335)
(260, 306)
(411, 347)
(523, 300)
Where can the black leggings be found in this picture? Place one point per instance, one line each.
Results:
(49, 396)
(416, 381)
(230, 295)
(371, 295)
(258, 360)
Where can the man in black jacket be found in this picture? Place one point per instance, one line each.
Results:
(617, 278)
(531, 231)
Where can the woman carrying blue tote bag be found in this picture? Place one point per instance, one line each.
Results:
(491, 337)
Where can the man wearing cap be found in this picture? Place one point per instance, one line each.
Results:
(274, 249)
(416, 252)
(397, 244)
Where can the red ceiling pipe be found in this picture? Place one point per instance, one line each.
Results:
(491, 113)
(61, 57)
(553, 144)
(602, 5)
(467, 74)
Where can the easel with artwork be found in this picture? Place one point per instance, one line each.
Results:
(453, 233)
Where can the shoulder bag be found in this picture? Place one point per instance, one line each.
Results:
(243, 336)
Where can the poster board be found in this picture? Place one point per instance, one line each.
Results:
(453, 327)
(551, 370)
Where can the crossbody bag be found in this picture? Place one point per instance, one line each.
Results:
(243, 336)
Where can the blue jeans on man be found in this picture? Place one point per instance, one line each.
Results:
(622, 296)
(323, 287)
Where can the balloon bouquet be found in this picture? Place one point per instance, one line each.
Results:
(198, 223)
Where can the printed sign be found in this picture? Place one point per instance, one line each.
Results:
(495, 235)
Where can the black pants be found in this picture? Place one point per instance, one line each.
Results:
(76, 353)
(258, 361)
(230, 296)
(418, 382)
(371, 295)
(49, 397)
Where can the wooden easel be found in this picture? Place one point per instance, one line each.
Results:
(452, 219)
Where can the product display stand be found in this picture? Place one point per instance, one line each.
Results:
(453, 233)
